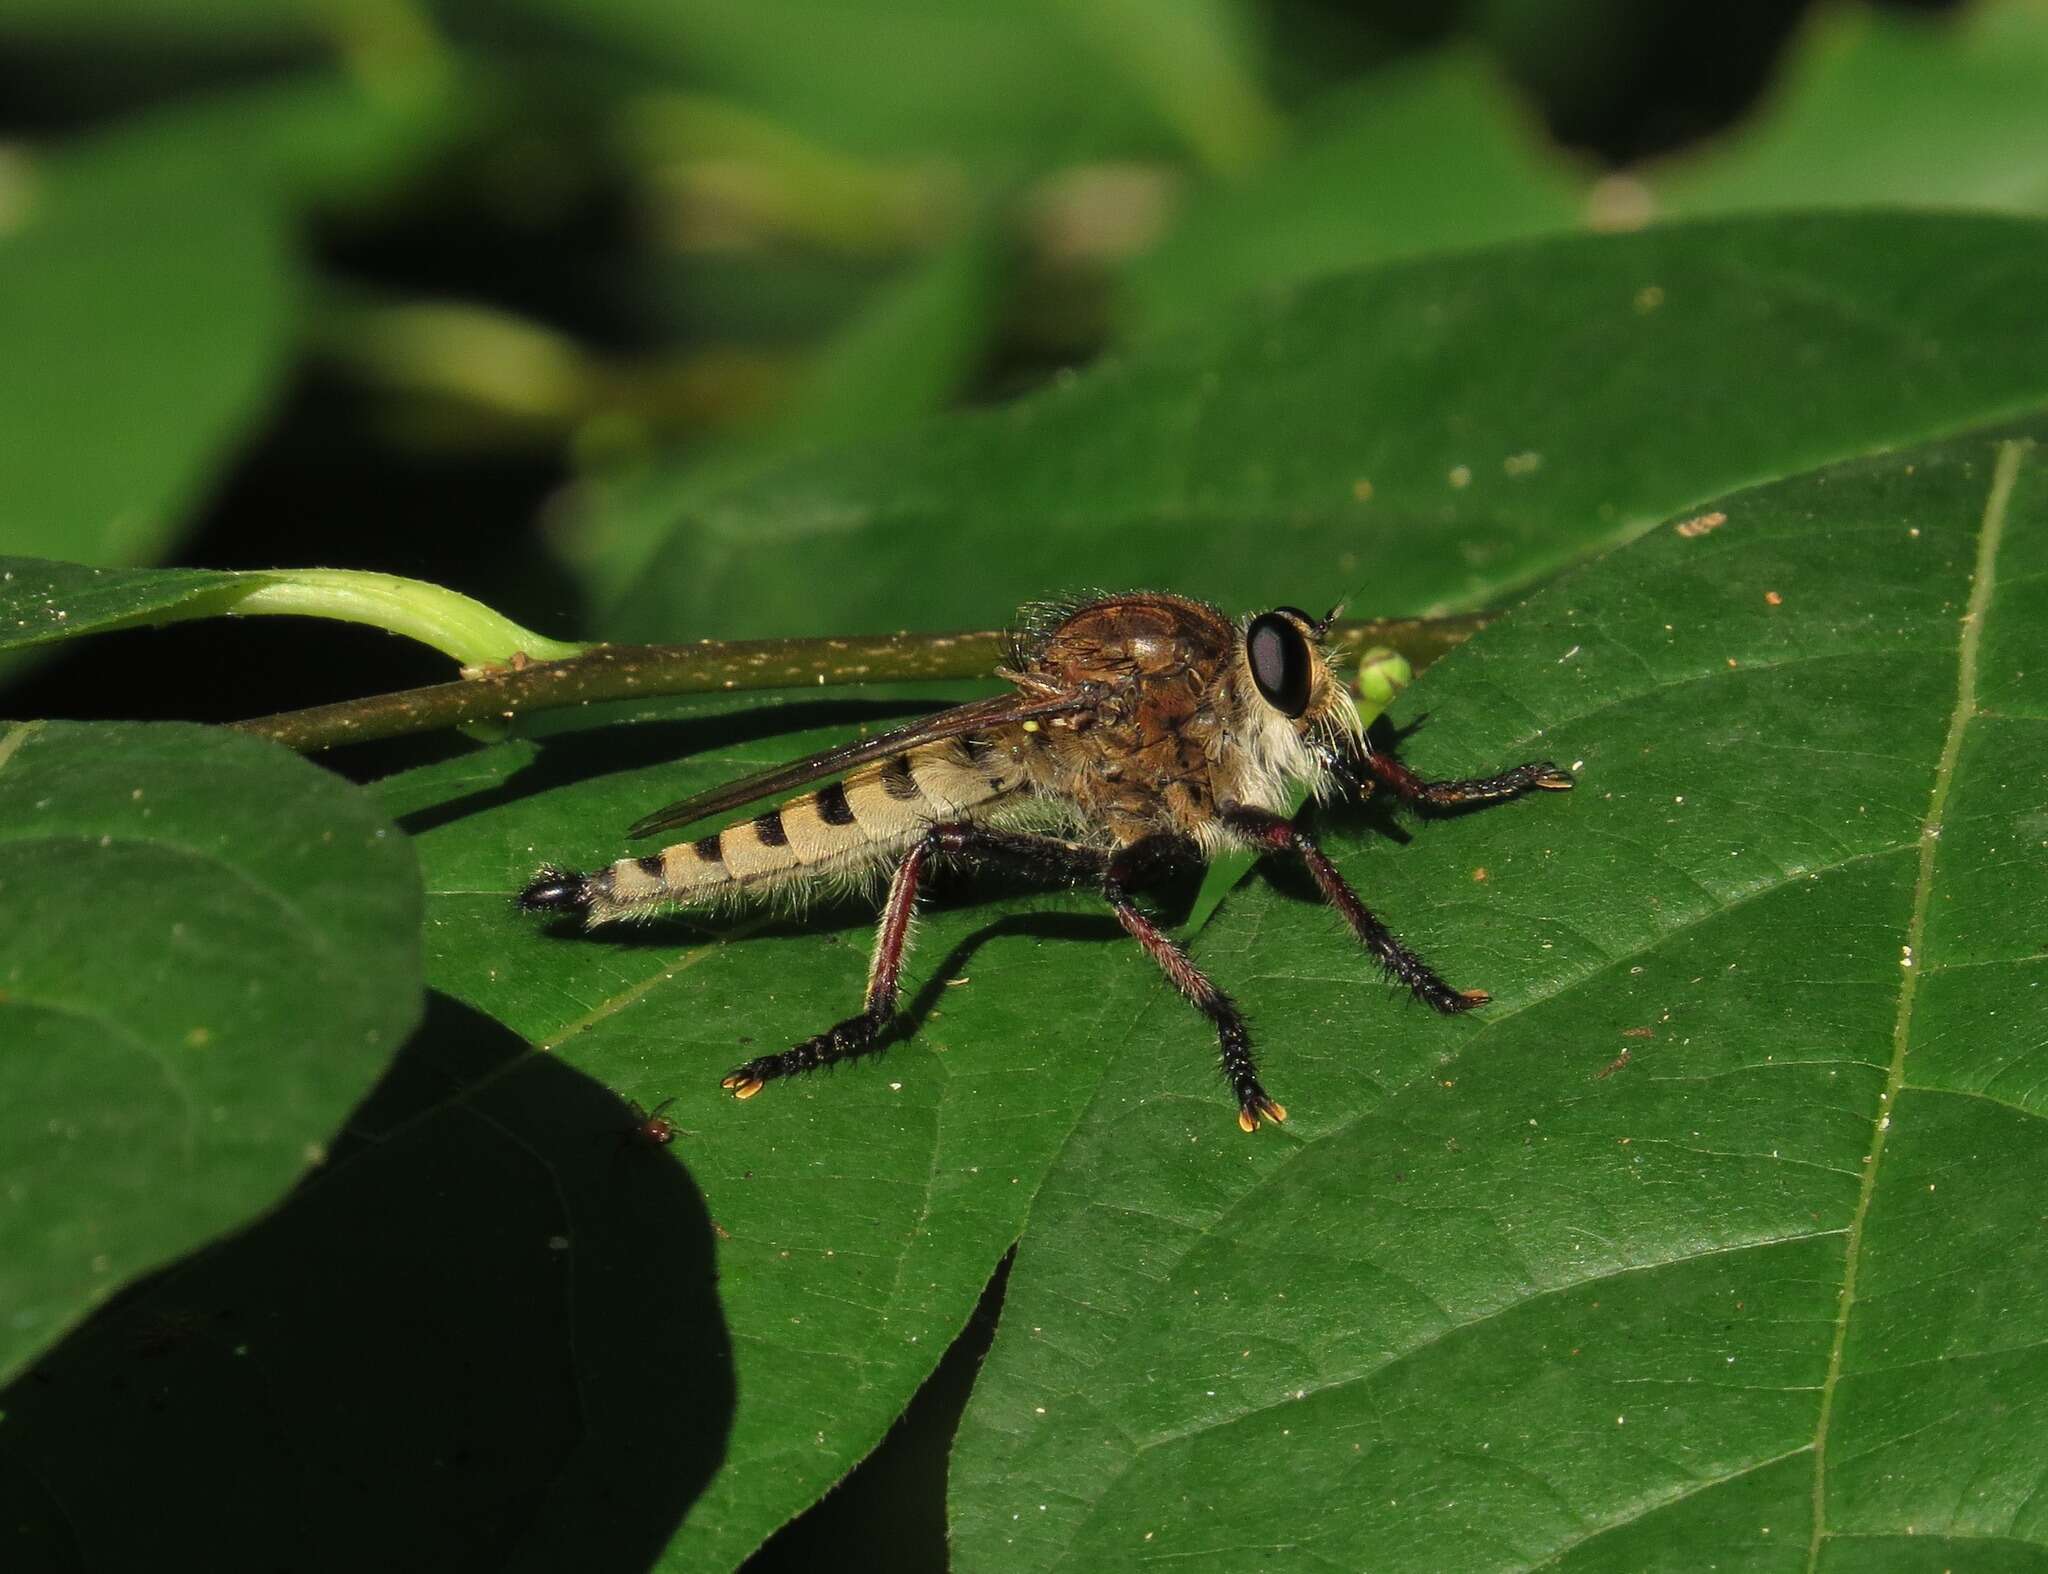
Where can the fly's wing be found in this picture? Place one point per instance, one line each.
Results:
(954, 723)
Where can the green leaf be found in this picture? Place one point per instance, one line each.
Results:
(42, 603)
(1496, 1295)
(149, 296)
(989, 84)
(901, 358)
(1882, 107)
(1437, 152)
(1428, 155)
(862, 1213)
(214, 949)
(1444, 431)
(147, 313)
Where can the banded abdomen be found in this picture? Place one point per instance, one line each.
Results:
(840, 831)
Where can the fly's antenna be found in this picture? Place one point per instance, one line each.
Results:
(1321, 626)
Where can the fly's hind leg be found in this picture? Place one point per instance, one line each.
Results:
(1133, 866)
(856, 1035)
(1040, 855)
(1271, 833)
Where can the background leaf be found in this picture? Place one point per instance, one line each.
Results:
(150, 295)
(1439, 434)
(1349, 191)
(1884, 107)
(1497, 1295)
(901, 359)
(1012, 79)
(223, 953)
(200, 278)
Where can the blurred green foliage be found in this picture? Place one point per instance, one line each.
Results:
(626, 250)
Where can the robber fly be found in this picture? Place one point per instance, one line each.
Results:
(1143, 733)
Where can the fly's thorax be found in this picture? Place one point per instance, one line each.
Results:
(1110, 645)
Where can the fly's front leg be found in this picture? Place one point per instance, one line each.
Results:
(856, 1035)
(1135, 865)
(1270, 833)
(1510, 783)
(1045, 856)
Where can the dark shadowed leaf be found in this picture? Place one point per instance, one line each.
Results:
(1875, 107)
(212, 951)
(1438, 433)
(160, 22)
(1727, 1206)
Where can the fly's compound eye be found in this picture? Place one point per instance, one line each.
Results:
(1281, 666)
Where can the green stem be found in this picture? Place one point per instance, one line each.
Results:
(611, 672)
(452, 623)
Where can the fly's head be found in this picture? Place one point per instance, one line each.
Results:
(1294, 722)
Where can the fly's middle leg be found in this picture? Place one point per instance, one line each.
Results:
(1271, 833)
(1132, 866)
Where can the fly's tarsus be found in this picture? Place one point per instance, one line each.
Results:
(1537, 775)
(843, 1041)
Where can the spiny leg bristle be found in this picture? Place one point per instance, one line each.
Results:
(553, 890)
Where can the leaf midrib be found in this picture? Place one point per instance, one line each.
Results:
(1991, 534)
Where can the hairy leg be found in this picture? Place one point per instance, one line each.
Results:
(1270, 833)
(860, 1034)
(1045, 856)
(1133, 866)
(1411, 788)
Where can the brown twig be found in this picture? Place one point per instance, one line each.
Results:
(612, 672)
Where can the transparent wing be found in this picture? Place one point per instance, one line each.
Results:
(960, 720)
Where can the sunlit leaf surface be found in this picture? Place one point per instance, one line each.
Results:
(1726, 1211)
